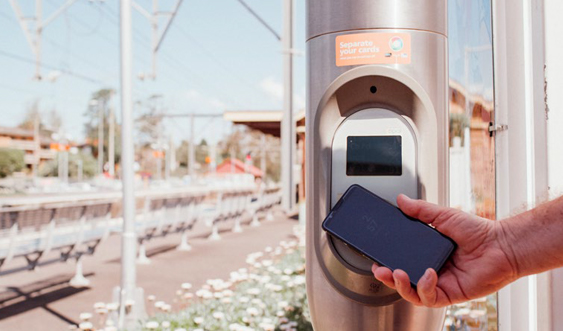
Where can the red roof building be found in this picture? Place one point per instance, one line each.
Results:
(235, 166)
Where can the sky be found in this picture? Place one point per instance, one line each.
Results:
(215, 57)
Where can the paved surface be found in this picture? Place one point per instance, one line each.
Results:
(43, 300)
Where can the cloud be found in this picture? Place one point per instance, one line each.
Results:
(200, 102)
(272, 88)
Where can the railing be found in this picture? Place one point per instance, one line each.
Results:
(75, 228)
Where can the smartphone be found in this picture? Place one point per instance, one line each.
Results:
(384, 234)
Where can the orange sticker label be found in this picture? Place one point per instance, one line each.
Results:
(373, 48)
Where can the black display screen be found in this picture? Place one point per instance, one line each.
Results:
(374, 156)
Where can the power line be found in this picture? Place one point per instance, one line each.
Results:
(260, 19)
(52, 67)
(210, 55)
(139, 36)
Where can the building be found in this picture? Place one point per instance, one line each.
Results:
(23, 140)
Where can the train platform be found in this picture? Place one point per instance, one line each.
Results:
(43, 299)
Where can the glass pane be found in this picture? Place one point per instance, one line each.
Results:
(472, 172)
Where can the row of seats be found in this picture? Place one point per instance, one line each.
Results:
(76, 228)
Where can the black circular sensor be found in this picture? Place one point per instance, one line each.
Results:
(373, 89)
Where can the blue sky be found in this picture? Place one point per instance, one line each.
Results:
(215, 57)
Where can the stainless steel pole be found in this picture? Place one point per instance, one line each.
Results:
(288, 125)
(128, 243)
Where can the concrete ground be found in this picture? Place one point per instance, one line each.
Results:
(42, 299)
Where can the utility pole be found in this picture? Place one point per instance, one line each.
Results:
(36, 146)
(288, 125)
(130, 297)
(154, 17)
(263, 157)
(101, 137)
(111, 142)
(191, 148)
(34, 35)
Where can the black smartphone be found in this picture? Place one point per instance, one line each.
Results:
(383, 233)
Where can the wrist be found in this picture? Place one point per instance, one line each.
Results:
(507, 238)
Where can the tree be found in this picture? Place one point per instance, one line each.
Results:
(11, 160)
(244, 140)
(103, 99)
(53, 124)
(150, 122)
(89, 166)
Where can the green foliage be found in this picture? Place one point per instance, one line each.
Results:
(458, 123)
(270, 295)
(243, 140)
(89, 166)
(103, 99)
(11, 160)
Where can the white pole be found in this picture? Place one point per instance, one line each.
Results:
(100, 138)
(191, 148)
(263, 158)
(36, 146)
(111, 142)
(80, 172)
(128, 243)
(287, 126)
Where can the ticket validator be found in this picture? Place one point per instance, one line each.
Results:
(377, 115)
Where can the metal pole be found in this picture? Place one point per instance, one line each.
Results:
(154, 24)
(80, 172)
(263, 158)
(38, 29)
(111, 142)
(191, 147)
(231, 153)
(288, 125)
(100, 138)
(129, 243)
(167, 159)
(36, 146)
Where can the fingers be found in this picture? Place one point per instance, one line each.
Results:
(426, 293)
(419, 209)
(426, 288)
(403, 286)
(383, 275)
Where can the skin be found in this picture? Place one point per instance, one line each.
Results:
(489, 256)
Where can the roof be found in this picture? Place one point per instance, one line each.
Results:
(239, 168)
(266, 121)
(23, 133)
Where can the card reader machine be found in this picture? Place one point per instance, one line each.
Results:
(377, 116)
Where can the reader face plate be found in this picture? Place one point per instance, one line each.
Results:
(375, 148)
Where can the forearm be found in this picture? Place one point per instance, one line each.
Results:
(534, 239)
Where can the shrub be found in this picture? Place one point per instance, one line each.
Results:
(11, 160)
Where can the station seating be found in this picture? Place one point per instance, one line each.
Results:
(75, 228)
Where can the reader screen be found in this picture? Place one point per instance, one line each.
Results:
(374, 156)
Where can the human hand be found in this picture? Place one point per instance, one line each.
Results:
(480, 265)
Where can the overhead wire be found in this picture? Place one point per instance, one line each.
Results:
(52, 67)
(210, 55)
(140, 37)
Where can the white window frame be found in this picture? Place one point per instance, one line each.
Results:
(529, 154)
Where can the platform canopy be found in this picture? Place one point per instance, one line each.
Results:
(265, 121)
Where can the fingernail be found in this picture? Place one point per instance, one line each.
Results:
(426, 275)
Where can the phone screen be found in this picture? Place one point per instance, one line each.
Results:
(381, 232)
